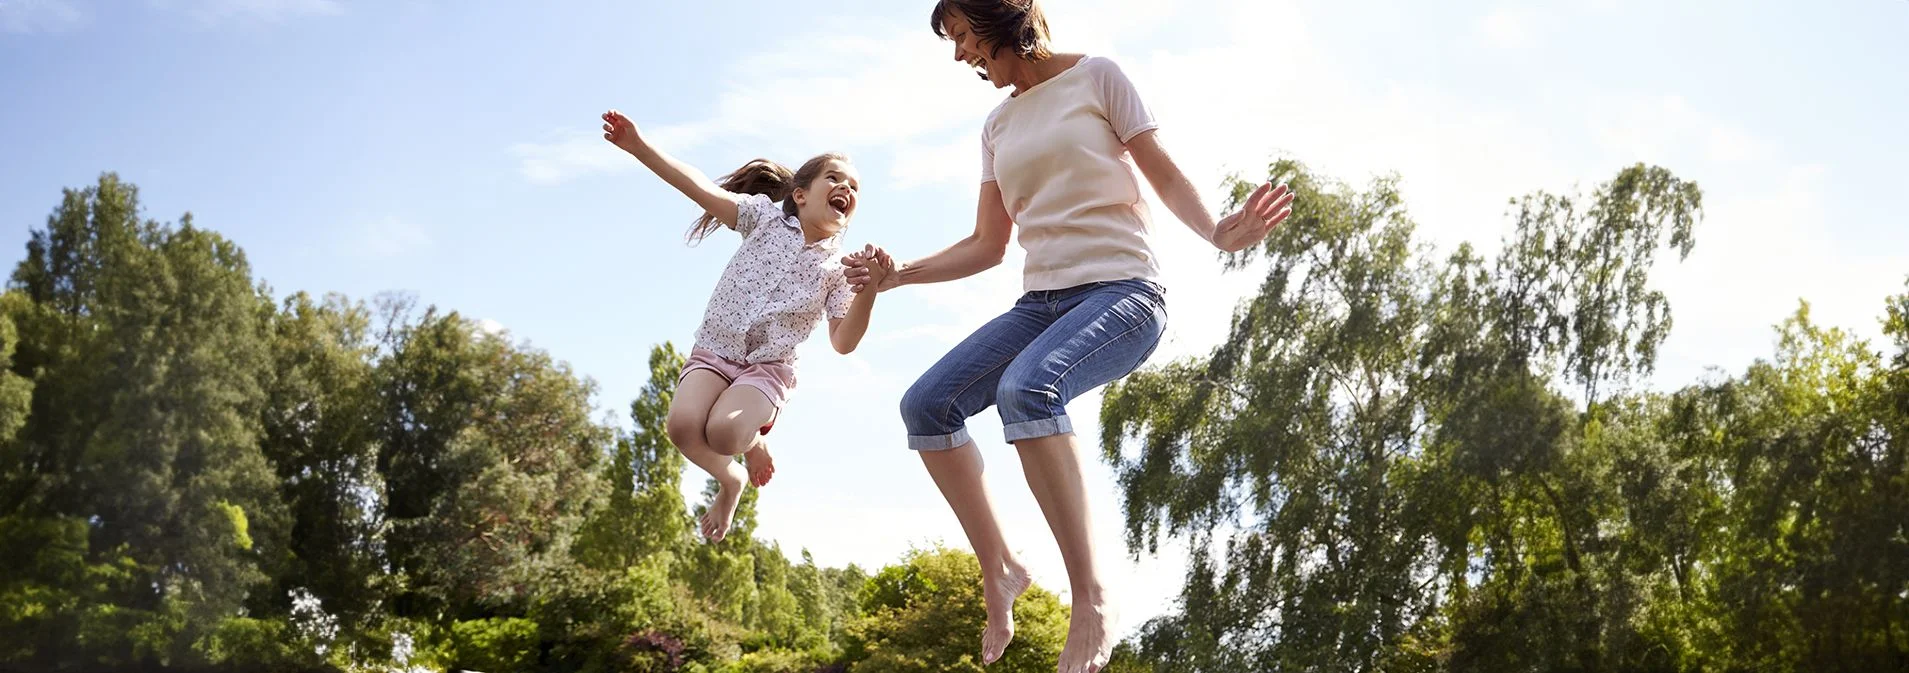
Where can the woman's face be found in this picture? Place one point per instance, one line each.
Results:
(970, 49)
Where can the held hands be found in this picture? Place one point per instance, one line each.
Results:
(620, 131)
(1266, 208)
(871, 267)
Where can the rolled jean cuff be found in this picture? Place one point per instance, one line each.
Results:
(939, 442)
(1038, 428)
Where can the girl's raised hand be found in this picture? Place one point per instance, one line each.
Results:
(620, 131)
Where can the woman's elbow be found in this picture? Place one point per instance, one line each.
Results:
(993, 253)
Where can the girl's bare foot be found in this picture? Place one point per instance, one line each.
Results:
(762, 467)
(715, 524)
(1089, 638)
(998, 591)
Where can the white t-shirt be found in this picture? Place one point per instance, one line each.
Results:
(1058, 151)
(775, 289)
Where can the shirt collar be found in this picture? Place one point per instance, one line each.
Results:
(827, 244)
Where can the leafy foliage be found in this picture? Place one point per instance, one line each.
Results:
(1403, 462)
(1397, 461)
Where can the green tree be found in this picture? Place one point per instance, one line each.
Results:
(1405, 489)
(1808, 571)
(485, 449)
(926, 614)
(319, 433)
(146, 349)
(826, 597)
(192, 475)
(16, 391)
(1300, 423)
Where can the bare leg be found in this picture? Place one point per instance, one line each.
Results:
(1052, 465)
(688, 420)
(736, 420)
(734, 427)
(957, 472)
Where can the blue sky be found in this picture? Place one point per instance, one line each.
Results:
(449, 150)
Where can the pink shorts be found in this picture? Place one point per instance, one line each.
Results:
(774, 379)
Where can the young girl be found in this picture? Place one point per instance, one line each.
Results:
(780, 282)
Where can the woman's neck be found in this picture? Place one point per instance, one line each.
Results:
(1033, 73)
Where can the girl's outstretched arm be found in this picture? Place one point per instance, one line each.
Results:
(720, 202)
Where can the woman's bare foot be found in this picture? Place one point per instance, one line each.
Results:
(715, 524)
(762, 467)
(1090, 640)
(999, 592)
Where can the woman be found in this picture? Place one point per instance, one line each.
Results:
(1054, 161)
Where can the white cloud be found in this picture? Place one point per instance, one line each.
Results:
(1661, 129)
(1727, 143)
(915, 336)
(1767, 240)
(569, 155)
(1509, 27)
(390, 237)
(778, 104)
(902, 94)
(893, 94)
(263, 11)
(34, 16)
(955, 162)
(30, 16)
(1764, 245)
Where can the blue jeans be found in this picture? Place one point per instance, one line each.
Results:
(1034, 359)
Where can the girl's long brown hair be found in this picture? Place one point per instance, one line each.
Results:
(767, 178)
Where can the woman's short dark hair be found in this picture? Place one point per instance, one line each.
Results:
(1016, 24)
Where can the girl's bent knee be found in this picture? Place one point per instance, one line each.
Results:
(729, 437)
(684, 432)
